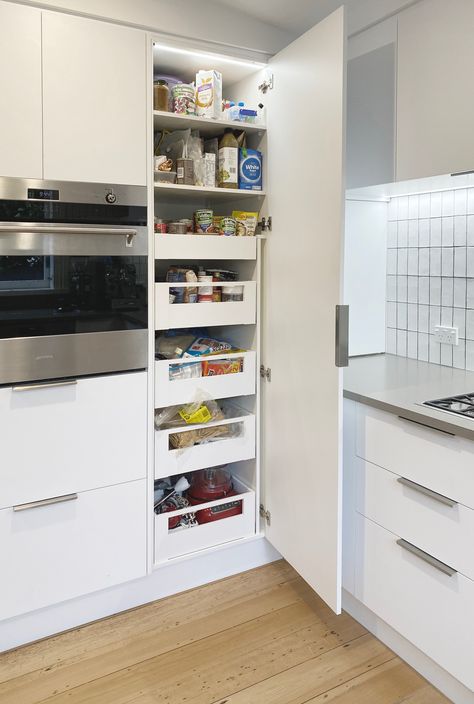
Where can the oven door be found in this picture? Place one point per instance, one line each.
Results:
(73, 300)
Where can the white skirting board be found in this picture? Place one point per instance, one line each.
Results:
(170, 579)
(439, 678)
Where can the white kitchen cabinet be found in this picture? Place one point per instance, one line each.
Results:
(293, 427)
(435, 106)
(72, 437)
(88, 541)
(20, 90)
(94, 101)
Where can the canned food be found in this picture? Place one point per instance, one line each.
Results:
(232, 293)
(227, 227)
(161, 226)
(203, 220)
(177, 228)
(204, 292)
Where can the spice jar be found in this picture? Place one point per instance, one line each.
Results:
(161, 96)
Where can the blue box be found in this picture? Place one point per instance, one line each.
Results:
(250, 169)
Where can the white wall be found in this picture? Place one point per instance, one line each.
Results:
(202, 20)
(365, 275)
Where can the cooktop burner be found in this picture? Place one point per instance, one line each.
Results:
(462, 405)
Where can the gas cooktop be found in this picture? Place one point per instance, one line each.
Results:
(462, 405)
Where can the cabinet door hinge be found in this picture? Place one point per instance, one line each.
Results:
(265, 373)
(267, 83)
(266, 515)
(265, 224)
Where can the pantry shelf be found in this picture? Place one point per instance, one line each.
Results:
(207, 127)
(176, 189)
(210, 247)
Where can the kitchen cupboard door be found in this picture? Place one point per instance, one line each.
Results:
(302, 402)
(94, 92)
(435, 103)
(20, 91)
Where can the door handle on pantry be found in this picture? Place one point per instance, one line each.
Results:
(45, 502)
(47, 385)
(427, 492)
(425, 425)
(426, 557)
(342, 336)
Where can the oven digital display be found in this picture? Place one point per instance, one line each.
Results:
(43, 194)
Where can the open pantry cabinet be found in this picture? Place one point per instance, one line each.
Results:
(280, 434)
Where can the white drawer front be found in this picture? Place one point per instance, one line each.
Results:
(187, 247)
(61, 551)
(72, 438)
(174, 392)
(438, 461)
(182, 541)
(169, 462)
(432, 610)
(190, 315)
(442, 529)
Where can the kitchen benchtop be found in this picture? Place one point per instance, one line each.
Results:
(400, 385)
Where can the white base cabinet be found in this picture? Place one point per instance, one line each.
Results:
(60, 551)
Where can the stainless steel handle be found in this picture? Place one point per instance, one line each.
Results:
(426, 557)
(425, 425)
(427, 492)
(58, 229)
(45, 502)
(47, 385)
(342, 336)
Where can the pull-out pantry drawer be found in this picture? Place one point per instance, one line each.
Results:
(411, 593)
(441, 462)
(76, 545)
(74, 436)
(239, 445)
(171, 390)
(435, 523)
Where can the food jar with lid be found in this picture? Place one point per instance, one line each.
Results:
(161, 96)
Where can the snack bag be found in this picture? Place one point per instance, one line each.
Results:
(246, 223)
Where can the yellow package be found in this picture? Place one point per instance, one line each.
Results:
(246, 223)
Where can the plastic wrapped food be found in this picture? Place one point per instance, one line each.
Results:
(222, 366)
(206, 346)
(204, 435)
(191, 370)
(201, 410)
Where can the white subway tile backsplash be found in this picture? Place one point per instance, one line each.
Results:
(447, 203)
(436, 205)
(424, 205)
(430, 275)
(460, 230)
(460, 201)
(423, 346)
(447, 232)
(424, 233)
(424, 289)
(402, 233)
(435, 232)
(413, 262)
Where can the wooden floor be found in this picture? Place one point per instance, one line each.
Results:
(261, 637)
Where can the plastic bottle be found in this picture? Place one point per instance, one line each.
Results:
(228, 160)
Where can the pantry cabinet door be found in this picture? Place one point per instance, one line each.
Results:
(20, 91)
(302, 441)
(94, 92)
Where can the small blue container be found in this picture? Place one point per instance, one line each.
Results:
(250, 169)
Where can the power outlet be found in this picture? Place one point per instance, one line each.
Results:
(445, 335)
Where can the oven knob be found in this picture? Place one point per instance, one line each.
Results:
(110, 197)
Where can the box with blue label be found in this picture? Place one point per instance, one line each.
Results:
(250, 169)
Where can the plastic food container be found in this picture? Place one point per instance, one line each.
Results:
(232, 293)
(165, 176)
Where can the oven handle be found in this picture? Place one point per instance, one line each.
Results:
(60, 230)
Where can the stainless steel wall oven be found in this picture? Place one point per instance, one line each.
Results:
(73, 279)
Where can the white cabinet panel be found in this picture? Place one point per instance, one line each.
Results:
(20, 90)
(94, 92)
(61, 551)
(429, 608)
(66, 439)
(435, 106)
(302, 264)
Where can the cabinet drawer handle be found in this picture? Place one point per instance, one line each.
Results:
(427, 492)
(47, 385)
(425, 425)
(46, 502)
(426, 557)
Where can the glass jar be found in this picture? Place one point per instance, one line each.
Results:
(161, 96)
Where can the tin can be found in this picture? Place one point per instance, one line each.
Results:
(161, 226)
(228, 227)
(203, 221)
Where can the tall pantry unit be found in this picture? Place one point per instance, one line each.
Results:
(286, 402)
